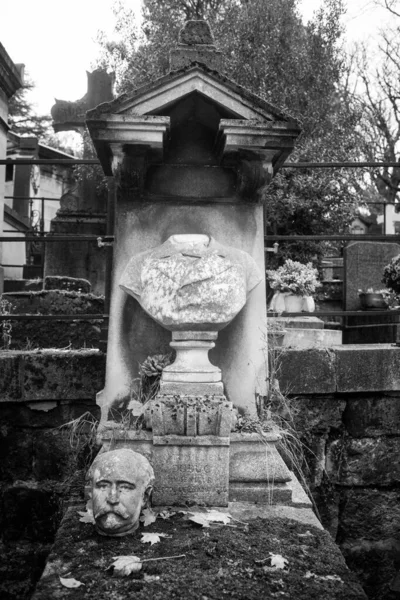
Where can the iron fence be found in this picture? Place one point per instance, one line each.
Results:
(107, 240)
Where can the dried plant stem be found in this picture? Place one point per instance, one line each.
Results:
(163, 558)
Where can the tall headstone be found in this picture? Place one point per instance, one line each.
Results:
(190, 153)
(363, 269)
(82, 208)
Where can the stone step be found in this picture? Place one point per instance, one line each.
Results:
(29, 334)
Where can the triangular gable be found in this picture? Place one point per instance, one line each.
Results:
(158, 96)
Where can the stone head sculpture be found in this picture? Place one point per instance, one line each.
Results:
(121, 483)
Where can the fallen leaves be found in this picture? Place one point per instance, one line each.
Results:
(70, 582)
(125, 565)
(152, 538)
(86, 517)
(206, 518)
(166, 514)
(312, 575)
(148, 517)
(278, 561)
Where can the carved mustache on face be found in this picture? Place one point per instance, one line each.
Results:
(120, 511)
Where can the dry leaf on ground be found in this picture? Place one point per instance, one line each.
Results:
(166, 514)
(70, 582)
(278, 561)
(152, 538)
(148, 517)
(86, 517)
(125, 565)
(211, 516)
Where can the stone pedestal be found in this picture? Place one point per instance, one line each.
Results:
(194, 468)
(190, 415)
(192, 372)
(191, 470)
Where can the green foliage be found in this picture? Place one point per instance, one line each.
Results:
(22, 117)
(391, 275)
(23, 120)
(294, 277)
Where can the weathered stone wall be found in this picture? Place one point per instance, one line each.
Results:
(30, 334)
(39, 467)
(346, 405)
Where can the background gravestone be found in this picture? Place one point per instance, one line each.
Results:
(363, 268)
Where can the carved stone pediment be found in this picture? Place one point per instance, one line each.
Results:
(251, 135)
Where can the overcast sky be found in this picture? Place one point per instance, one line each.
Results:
(55, 40)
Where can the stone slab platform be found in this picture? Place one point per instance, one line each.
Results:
(82, 554)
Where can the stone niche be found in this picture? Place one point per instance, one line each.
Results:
(190, 153)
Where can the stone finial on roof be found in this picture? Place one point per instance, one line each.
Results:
(196, 32)
(196, 45)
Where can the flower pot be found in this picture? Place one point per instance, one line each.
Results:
(372, 301)
(293, 303)
(286, 302)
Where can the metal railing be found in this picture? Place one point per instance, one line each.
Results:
(107, 240)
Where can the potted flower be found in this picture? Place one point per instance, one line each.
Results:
(372, 299)
(391, 275)
(294, 283)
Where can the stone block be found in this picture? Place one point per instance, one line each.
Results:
(372, 416)
(298, 322)
(44, 413)
(52, 454)
(191, 416)
(138, 441)
(64, 374)
(30, 512)
(50, 375)
(10, 380)
(193, 473)
(253, 460)
(185, 57)
(67, 283)
(16, 453)
(196, 32)
(260, 493)
(368, 368)
(363, 268)
(312, 338)
(370, 462)
(374, 562)
(317, 414)
(307, 371)
(372, 514)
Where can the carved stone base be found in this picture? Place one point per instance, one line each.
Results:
(203, 469)
(191, 470)
(191, 372)
(188, 415)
